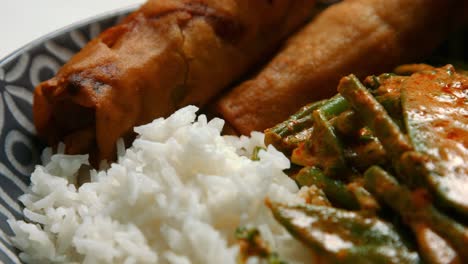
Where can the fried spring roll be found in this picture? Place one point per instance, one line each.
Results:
(168, 54)
(356, 36)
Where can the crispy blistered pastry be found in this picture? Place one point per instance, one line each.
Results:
(355, 36)
(168, 54)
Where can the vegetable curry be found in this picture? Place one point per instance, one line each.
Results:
(392, 145)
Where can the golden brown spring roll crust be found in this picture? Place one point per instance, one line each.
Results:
(356, 36)
(168, 54)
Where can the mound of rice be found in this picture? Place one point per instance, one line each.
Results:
(176, 196)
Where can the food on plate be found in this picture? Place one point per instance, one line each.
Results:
(391, 145)
(178, 195)
(375, 174)
(168, 54)
(350, 236)
(357, 36)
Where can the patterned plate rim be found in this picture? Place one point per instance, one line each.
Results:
(67, 28)
(16, 98)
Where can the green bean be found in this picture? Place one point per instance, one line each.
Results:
(328, 151)
(366, 200)
(335, 190)
(388, 94)
(392, 104)
(333, 107)
(347, 123)
(296, 123)
(364, 152)
(375, 117)
(292, 141)
(414, 209)
(346, 236)
(287, 127)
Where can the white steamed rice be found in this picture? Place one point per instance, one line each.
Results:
(176, 196)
